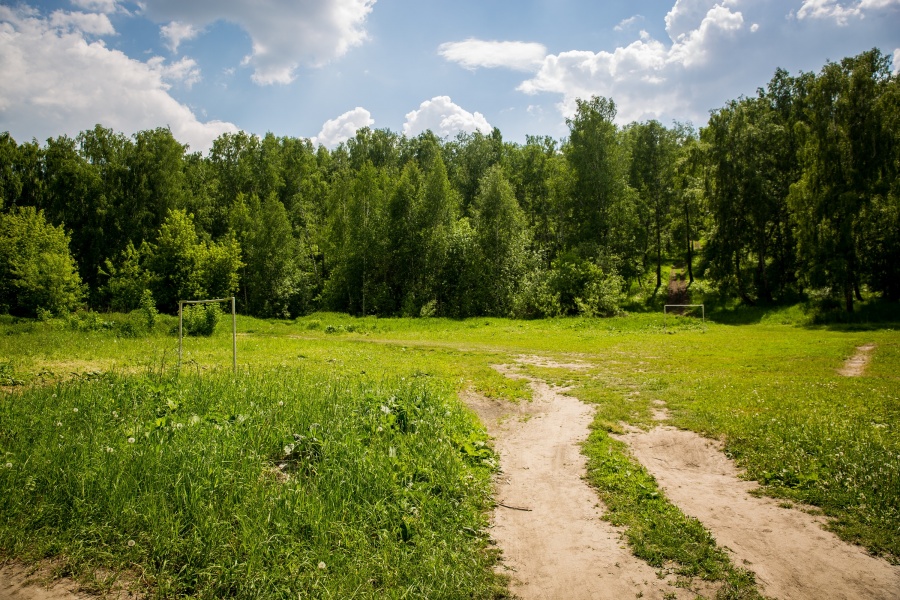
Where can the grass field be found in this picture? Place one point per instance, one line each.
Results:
(339, 463)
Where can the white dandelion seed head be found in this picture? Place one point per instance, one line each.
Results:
(115, 415)
(59, 423)
(322, 565)
(131, 440)
(131, 543)
(75, 409)
(385, 409)
(281, 403)
(9, 465)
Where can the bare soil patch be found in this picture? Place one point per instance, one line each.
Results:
(792, 555)
(40, 581)
(19, 582)
(548, 520)
(855, 366)
(541, 361)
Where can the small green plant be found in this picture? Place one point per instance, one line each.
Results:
(201, 319)
(148, 309)
(88, 321)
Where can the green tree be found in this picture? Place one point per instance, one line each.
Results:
(502, 239)
(845, 158)
(37, 271)
(601, 217)
(185, 268)
(651, 174)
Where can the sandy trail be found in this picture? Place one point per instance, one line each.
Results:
(793, 557)
(18, 583)
(855, 366)
(559, 547)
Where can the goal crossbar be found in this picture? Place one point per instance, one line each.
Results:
(668, 306)
(181, 304)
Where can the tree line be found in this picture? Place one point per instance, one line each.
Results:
(789, 192)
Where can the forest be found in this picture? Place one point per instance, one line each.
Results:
(791, 194)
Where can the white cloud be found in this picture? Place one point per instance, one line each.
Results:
(647, 78)
(58, 82)
(896, 61)
(102, 6)
(344, 127)
(176, 32)
(184, 71)
(693, 47)
(472, 53)
(285, 34)
(443, 118)
(89, 23)
(685, 14)
(627, 23)
(831, 9)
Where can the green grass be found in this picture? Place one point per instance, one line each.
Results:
(269, 485)
(762, 380)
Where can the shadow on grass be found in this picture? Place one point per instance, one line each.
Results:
(868, 316)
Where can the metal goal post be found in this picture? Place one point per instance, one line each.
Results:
(668, 306)
(181, 304)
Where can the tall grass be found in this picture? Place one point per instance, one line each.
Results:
(266, 486)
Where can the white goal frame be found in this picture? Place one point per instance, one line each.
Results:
(668, 306)
(181, 304)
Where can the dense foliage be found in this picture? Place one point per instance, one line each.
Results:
(791, 192)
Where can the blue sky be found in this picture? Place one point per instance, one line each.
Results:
(322, 68)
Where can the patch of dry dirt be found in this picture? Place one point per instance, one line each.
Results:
(18, 582)
(548, 520)
(855, 366)
(38, 582)
(793, 557)
(540, 361)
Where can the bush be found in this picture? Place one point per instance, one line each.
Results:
(37, 270)
(201, 319)
(148, 309)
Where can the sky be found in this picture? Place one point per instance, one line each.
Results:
(321, 69)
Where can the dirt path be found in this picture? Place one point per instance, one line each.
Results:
(548, 522)
(856, 365)
(19, 583)
(793, 557)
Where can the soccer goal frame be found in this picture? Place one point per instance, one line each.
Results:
(181, 304)
(668, 306)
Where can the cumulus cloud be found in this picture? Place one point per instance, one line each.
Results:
(344, 127)
(443, 118)
(472, 53)
(174, 33)
(840, 14)
(285, 34)
(60, 82)
(101, 6)
(644, 77)
(89, 23)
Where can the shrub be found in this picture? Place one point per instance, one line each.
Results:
(148, 309)
(201, 319)
(37, 270)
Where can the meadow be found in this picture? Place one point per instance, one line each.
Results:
(339, 462)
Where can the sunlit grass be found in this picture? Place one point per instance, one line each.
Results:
(769, 389)
(266, 485)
